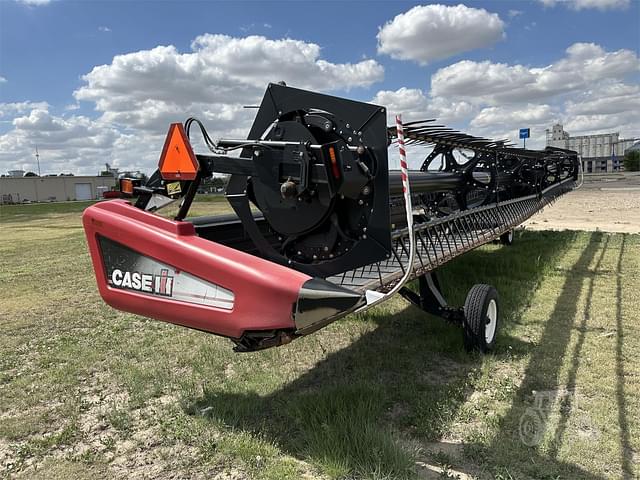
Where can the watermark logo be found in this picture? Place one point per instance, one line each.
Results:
(533, 422)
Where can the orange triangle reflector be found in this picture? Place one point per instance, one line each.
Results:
(178, 161)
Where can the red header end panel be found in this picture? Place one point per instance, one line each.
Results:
(158, 268)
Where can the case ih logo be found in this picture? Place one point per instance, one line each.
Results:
(144, 282)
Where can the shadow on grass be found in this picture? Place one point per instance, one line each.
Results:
(567, 407)
(542, 374)
(354, 412)
(626, 451)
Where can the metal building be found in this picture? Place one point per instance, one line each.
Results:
(600, 153)
(53, 189)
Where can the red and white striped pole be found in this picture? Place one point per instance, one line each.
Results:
(406, 188)
(373, 297)
(403, 155)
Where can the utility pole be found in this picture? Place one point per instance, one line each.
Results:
(38, 160)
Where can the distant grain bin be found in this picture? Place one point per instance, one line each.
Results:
(602, 152)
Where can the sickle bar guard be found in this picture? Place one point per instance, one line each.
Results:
(319, 226)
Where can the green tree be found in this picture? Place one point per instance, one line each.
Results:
(632, 161)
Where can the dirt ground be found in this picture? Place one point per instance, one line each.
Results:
(609, 203)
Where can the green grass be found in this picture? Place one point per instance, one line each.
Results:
(90, 392)
(30, 211)
(210, 198)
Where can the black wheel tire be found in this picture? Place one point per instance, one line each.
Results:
(481, 318)
(507, 238)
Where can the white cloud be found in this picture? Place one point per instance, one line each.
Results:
(514, 13)
(139, 94)
(611, 107)
(34, 3)
(76, 143)
(433, 32)
(492, 117)
(249, 59)
(589, 90)
(2, 79)
(151, 88)
(414, 104)
(585, 4)
(608, 99)
(104, 29)
(19, 108)
(496, 83)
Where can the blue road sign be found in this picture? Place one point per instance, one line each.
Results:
(525, 132)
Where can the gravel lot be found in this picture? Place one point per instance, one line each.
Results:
(609, 203)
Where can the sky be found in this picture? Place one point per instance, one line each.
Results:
(94, 82)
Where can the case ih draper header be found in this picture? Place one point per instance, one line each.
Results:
(321, 227)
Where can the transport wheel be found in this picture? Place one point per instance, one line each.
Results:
(480, 318)
(507, 238)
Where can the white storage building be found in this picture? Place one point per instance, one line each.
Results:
(53, 189)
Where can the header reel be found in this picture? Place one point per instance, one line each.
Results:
(316, 168)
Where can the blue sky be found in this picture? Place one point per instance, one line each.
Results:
(51, 96)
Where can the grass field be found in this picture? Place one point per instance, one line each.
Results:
(90, 392)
